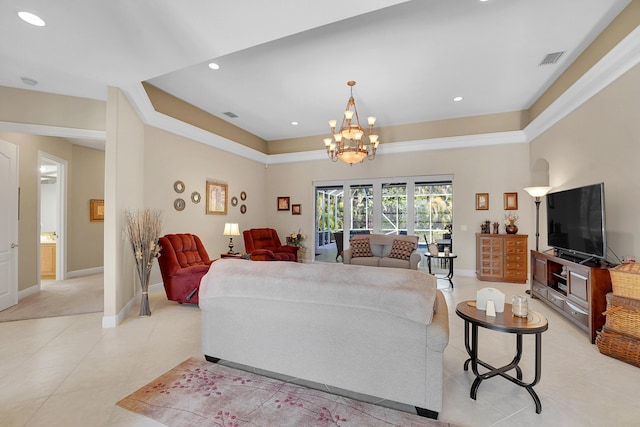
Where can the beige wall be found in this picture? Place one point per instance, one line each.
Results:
(85, 238)
(493, 169)
(600, 142)
(85, 179)
(32, 107)
(169, 158)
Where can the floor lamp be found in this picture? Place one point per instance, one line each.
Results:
(537, 193)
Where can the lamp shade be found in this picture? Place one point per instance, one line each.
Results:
(537, 191)
(231, 229)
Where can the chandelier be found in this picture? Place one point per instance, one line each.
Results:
(347, 144)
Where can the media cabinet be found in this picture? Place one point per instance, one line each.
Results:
(577, 291)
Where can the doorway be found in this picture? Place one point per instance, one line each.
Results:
(52, 217)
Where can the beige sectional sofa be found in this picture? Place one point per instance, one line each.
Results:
(383, 251)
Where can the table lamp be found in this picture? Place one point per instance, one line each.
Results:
(231, 229)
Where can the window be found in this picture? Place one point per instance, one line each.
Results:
(361, 197)
(394, 208)
(433, 210)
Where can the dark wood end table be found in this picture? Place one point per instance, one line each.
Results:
(449, 258)
(534, 323)
(228, 255)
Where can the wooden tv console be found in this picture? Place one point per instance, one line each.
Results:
(577, 291)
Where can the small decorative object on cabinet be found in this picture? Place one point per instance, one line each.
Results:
(501, 257)
(577, 291)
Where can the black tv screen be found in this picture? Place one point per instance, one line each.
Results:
(576, 221)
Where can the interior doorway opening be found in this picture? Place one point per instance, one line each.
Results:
(51, 218)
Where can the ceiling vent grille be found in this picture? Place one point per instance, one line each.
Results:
(551, 58)
(230, 114)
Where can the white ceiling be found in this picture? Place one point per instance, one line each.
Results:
(290, 60)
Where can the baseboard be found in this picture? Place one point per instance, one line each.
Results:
(85, 272)
(113, 321)
(29, 291)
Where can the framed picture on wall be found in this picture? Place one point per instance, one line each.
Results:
(216, 198)
(510, 201)
(482, 201)
(296, 209)
(283, 203)
(96, 210)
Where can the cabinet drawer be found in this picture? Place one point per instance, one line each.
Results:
(540, 290)
(516, 244)
(577, 313)
(556, 300)
(515, 274)
(578, 287)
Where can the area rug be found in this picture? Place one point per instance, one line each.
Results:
(200, 393)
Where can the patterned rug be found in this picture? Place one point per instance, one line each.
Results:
(200, 393)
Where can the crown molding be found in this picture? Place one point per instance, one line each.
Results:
(614, 64)
(624, 56)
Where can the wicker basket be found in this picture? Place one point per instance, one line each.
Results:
(625, 280)
(623, 315)
(619, 346)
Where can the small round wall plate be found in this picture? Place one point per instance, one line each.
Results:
(178, 186)
(234, 201)
(243, 209)
(243, 196)
(179, 204)
(195, 197)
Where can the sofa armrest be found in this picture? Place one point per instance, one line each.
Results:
(346, 256)
(262, 255)
(414, 259)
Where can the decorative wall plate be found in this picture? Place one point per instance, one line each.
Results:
(179, 204)
(243, 196)
(234, 201)
(178, 186)
(243, 209)
(195, 197)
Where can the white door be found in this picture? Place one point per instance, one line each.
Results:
(8, 225)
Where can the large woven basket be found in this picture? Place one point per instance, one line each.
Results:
(623, 315)
(625, 280)
(619, 346)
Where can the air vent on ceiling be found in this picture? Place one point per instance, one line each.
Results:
(230, 114)
(551, 58)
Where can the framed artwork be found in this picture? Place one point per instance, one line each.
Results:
(510, 201)
(216, 198)
(482, 201)
(283, 203)
(96, 210)
(195, 197)
(243, 195)
(296, 209)
(178, 186)
(179, 204)
(234, 201)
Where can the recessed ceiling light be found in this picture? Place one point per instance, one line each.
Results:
(214, 66)
(294, 123)
(457, 99)
(31, 19)
(29, 81)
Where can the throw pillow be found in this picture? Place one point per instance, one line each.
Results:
(360, 248)
(401, 249)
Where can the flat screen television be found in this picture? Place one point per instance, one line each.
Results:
(576, 222)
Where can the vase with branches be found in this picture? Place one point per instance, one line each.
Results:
(143, 230)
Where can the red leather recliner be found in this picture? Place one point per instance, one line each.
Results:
(183, 261)
(263, 244)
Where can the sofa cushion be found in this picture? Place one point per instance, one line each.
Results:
(393, 262)
(360, 248)
(401, 249)
(371, 261)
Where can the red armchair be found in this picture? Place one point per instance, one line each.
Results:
(183, 261)
(263, 244)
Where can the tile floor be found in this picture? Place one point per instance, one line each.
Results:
(68, 371)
